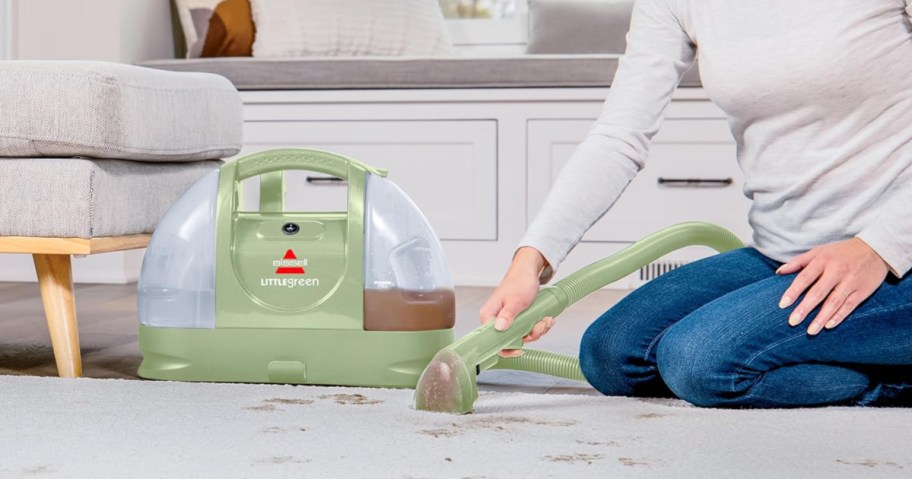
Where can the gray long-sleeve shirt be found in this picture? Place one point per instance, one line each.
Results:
(818, 95)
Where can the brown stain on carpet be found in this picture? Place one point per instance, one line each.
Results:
(630, 462)
(282, 460)
(439, 432)
(499, 422)
(575, 458)
(280, 430)
(597, 443)
(651, 415)
(297, 402)
(269, 405)
(496, 423)
(870, 463)
(262, 408)
(36, 471)
(351, 399)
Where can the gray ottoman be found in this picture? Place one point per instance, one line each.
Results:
(91, 156)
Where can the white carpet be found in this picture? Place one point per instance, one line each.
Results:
(114, 428)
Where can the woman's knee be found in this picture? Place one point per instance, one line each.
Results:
(599, 362)
(697, 368)
(606, 354)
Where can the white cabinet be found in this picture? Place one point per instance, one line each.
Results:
(449, 168)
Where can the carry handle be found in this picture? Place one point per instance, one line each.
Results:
(300, 159)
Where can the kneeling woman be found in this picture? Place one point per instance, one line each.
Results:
(818, 310)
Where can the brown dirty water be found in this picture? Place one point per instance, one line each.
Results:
(575, 458)
(351, 399)
(408, 310)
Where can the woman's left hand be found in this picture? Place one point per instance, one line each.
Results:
(840, 275)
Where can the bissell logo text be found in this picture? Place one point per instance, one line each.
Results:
(290, 265)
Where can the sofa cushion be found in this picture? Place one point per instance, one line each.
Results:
(109, 110)
(83, 198)
(522, 71)
(578, 26)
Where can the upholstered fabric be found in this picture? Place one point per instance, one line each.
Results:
(578, 26)
(82, 198)
(524, 71)
(109, 110)
(293, 28)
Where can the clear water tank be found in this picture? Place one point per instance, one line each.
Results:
(407, 285)
(177, 282)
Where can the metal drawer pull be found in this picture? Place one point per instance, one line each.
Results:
(697, 182)
(326, 180)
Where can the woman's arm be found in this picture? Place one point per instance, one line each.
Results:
(659, 52)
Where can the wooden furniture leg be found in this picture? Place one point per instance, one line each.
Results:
(55, 278)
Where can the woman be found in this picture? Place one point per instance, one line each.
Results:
(819, 99)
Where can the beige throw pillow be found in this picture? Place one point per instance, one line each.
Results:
(300, 28)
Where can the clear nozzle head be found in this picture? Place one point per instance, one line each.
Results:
(446, 385)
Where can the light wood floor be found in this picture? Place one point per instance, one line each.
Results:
(108, 327)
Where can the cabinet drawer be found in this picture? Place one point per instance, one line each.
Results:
(449, 168)
(691, 175)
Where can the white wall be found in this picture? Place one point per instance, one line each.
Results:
(104, 30)
(124, 31)
(5, 30)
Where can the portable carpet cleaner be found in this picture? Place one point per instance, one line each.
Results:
(355, 298)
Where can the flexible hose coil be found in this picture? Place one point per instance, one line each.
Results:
(544, 362)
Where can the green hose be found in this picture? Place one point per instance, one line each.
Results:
(544, 362)
(448, 383)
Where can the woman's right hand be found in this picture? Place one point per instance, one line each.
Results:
(514, 294)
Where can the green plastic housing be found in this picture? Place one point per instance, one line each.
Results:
(288, 308)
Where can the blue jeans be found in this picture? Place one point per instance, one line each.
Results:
(712, 333)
